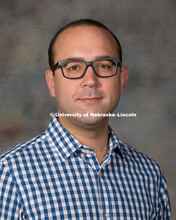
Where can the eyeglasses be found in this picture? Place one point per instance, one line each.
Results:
(76, 68)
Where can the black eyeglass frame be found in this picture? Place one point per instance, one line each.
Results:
(88, 63)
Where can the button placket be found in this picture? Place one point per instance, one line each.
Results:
(99, 174)
(104, 207)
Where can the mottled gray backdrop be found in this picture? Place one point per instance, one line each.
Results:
(147, 31)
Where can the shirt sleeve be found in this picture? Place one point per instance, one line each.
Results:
(164, 202)
(10, 207)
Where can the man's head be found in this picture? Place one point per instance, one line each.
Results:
(90, 93)
(77, 23)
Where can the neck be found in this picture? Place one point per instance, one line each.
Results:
(95, 136)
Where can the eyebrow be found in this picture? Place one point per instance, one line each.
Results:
(81, 58)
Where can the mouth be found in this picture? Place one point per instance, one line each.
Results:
(90, 100)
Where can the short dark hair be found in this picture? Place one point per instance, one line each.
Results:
(76, 23)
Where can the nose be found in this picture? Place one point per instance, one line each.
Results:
(90, 79)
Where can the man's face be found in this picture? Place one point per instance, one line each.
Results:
(90, 94)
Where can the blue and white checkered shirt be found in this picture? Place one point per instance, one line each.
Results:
(54, 176)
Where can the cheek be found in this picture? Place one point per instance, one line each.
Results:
(64, 90)
(113, 91)
(113, 87)
(60, 92)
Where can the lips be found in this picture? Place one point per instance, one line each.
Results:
(89, 95)
(90, 100)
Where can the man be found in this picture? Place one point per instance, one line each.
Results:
(78, 168)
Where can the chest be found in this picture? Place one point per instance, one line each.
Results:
(78, 189)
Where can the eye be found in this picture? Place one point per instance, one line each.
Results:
(72, 68)
(105, 66)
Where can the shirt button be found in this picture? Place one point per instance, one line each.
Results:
(100, 174)
(88, 152)
(107, 215)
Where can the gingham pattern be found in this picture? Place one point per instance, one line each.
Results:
(53, 176)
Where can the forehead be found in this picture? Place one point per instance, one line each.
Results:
(83, 36)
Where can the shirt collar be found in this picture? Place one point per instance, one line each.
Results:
(114, 144)
(66, 144)
(60, 138)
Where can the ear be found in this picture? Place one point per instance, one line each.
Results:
(124, 78)
(50, 81)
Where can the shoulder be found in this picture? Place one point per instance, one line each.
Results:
(140, 161)
(133, 154)
(18, 151)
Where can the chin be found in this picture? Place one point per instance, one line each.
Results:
(92, 122)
